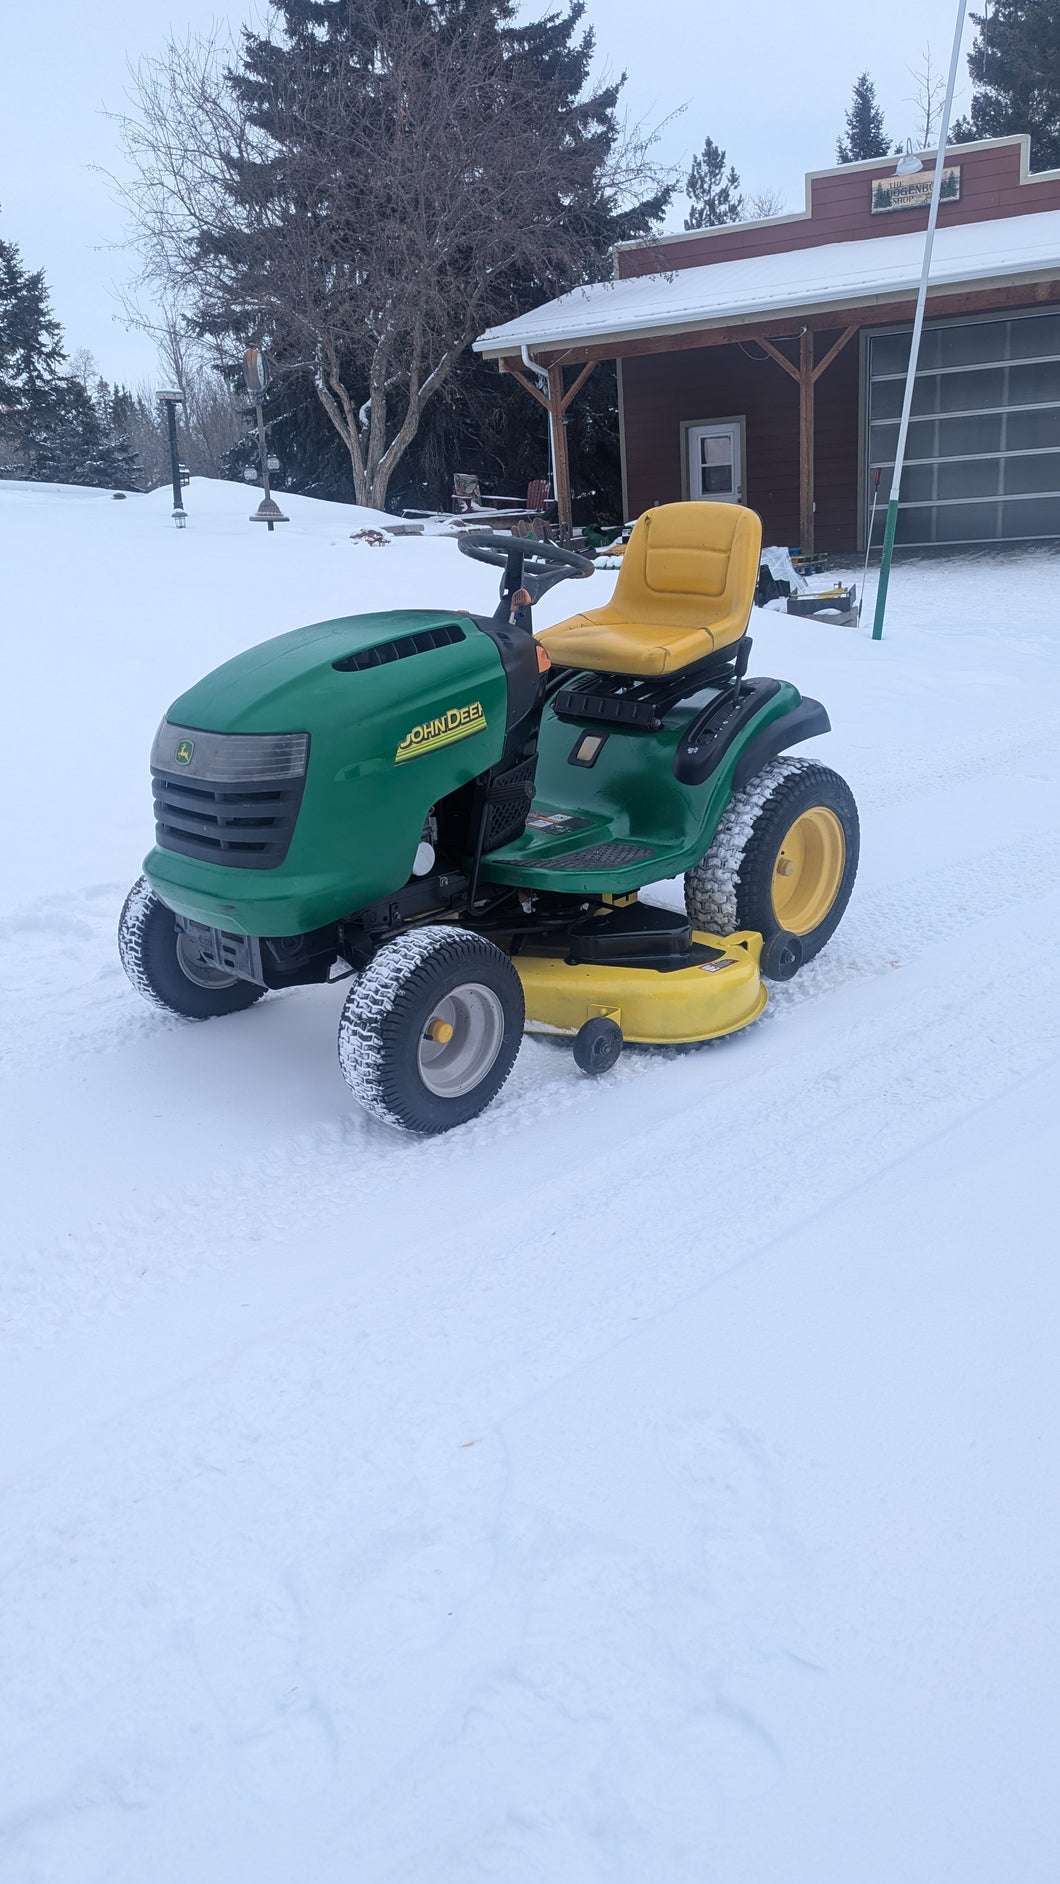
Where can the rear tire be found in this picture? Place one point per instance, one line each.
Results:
(430, 1032)
(155, 956)
(784, 857)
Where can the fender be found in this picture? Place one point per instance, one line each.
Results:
(707, 738)
(803, 722)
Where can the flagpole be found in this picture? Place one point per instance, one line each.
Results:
(918, 323)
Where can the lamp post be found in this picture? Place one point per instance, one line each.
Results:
(171, 398)
(907, 165)
(268, 511)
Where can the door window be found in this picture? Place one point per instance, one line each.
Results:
(714, 470)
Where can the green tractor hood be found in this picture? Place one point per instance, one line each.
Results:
(400, 708)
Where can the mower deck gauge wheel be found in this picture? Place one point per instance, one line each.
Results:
(781, 956)
(597, 1045)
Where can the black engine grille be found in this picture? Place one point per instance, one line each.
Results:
(246, 825)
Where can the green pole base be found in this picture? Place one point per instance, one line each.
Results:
(885, 569)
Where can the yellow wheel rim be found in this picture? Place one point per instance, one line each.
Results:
(809, 870)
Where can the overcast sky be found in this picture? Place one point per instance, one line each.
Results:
(769, 80)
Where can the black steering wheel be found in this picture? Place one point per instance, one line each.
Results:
(527, 563)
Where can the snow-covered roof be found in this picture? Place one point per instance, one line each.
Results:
(837, 274)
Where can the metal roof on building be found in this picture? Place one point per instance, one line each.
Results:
(836, 275)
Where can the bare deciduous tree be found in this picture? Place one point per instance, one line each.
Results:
(926, 100)
(349, 194)
(765, 202)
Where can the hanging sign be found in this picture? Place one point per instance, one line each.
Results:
(913, 192)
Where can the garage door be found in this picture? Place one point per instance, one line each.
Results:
(983, 457)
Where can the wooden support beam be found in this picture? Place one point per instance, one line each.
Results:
(527, 384)
(559, 447)
(806, 379)
(579, 383)
(555, 405)
(823, 365)
(807, 375)
(780, 358)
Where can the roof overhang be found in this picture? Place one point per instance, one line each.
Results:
(609, 318)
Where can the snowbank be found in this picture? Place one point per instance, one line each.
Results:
(649, 1483)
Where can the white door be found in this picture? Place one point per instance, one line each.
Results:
(714, 468)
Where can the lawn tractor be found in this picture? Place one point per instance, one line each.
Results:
(460, 815)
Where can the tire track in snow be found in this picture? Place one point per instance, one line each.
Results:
(920, 772)
(875, 1088)
(82, 1007)
(781, 1139)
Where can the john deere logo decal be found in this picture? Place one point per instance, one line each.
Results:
(182, 756)
(458, 723)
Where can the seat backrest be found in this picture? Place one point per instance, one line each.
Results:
(688, 565)
(538, 492)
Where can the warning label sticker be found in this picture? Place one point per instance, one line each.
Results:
(558, 822)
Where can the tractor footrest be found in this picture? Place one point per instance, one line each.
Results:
(612, 856)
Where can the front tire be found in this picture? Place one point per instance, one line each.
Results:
(430, 1032)
(784, 857)
(161, 963)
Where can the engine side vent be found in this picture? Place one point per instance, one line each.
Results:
(383, 652)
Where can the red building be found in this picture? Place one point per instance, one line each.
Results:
(764, 362)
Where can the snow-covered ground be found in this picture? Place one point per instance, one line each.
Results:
(652, 1483)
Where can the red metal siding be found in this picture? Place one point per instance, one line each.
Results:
(662, 391)
(990, 188)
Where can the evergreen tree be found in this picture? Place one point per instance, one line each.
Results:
(865, 136)
(52, 427)
(73, 440)
(481, 173)
(31, 349)
(715, 196)
(1015, 69)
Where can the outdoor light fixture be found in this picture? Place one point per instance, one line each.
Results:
(909, 163)
(255, 378)
(171, 397)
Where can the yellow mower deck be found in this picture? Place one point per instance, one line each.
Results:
(666, 1009)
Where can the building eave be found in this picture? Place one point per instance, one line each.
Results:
(551, 348)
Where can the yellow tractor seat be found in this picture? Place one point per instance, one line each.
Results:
(684, 590)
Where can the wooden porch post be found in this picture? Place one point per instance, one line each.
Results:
(806, 402)
(807, 375)
(555, 405)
